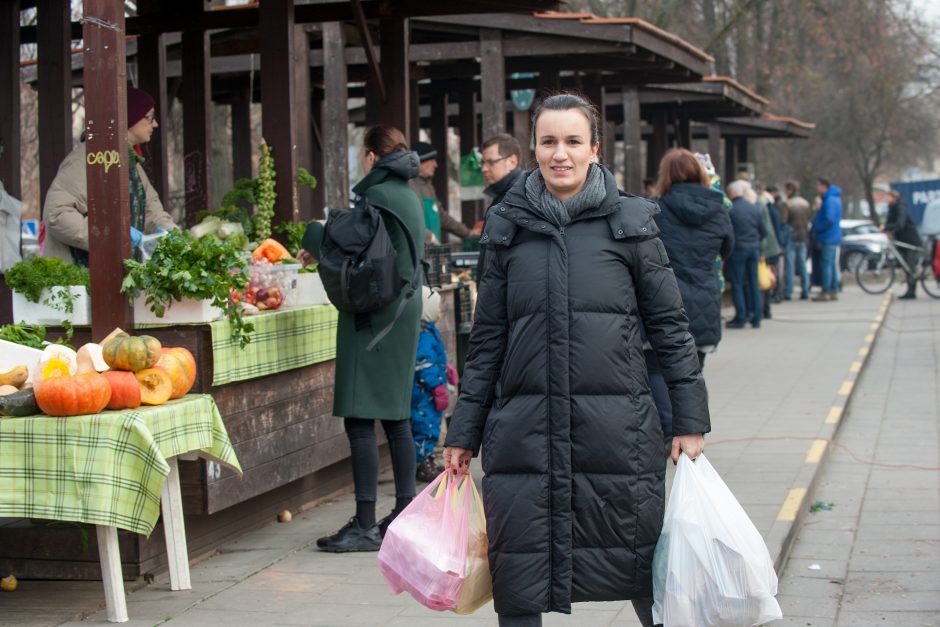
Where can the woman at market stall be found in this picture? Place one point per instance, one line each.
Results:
(555, 386)
(65, 212)
(376, 384)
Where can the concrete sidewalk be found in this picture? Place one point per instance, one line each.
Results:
(773, 393)
(874, 557)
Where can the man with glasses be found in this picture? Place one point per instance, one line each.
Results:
(500, 165)
(64, 231)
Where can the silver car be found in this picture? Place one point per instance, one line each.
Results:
(859, 237)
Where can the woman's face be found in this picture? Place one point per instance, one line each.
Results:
(564, 151)
(367, 159)
(141, 132)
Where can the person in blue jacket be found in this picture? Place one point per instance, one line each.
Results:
(827, 236)
(429, 396)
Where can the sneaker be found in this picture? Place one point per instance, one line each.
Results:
(385, 522)
(833, 296)
(428, 470)
(821, 298)
(908, 296)
(352, 538)
(733, 324)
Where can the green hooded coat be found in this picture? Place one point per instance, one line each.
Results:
(377, 383)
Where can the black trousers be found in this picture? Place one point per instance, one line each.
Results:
(365, 457)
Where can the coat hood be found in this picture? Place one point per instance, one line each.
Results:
(834, 191)
(693, 204)
(402, 164)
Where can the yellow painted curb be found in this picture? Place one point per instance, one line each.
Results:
(846, 388)
(816, 451)
(792, 504)
(856, 367)
(863, 351)
(835, 414)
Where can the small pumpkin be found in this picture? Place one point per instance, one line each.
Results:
(64, 395)
(180, 364)
(155, 386)
(125, 390)
(19, 404)
(130, 352)
(272, 250)
(55, 367)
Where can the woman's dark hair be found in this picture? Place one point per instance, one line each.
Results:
(564, 102)
(679, 165)
(384, 140)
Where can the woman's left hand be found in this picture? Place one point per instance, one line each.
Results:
(692, 445)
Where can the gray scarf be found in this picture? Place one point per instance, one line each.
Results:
(547, 206)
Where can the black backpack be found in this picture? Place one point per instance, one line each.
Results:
(357, 263)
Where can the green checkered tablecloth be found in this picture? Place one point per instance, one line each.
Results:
(282, 340)
(108, 468)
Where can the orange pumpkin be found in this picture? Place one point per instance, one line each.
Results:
(155, 386)
(128, 352)
(180, 364)
(270, 249)
(125, 390)
(64, 395)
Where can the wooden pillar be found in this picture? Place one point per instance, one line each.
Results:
(317, 156)
(492, 82)
(742, 150)
(439, 141)
(394, 41)
(10, 156)
(468, 141)
(151, 74)
(303, 131)
(522, 131)
(241, 131)
(109, 216)
(54, 66)
(594, 90)
(278, 98)
(714, 146)
(197, 120)
(660, 142)
(683, 130)
(335, 117)
(632, 141)
(730, 160)
(414, 113)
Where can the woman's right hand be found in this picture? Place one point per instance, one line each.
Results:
(457, 459)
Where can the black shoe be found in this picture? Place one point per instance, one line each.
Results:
(804, 296)
(352, 538)
(756, 325)
(385, 522)
(731, 324)
(908, 296)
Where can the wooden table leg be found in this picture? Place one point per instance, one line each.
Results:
(175, 529)
(111, 574)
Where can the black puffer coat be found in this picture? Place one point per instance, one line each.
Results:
(555, 390)
(695, 229)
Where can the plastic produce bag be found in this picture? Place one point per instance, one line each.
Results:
(433, 551)
(711, 567)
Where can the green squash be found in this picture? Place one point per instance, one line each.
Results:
(19, 404)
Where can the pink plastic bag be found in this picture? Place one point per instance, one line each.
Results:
(425, 549)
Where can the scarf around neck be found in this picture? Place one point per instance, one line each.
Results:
(549, 207)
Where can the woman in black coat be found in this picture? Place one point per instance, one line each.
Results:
(695, 229)
(555, 387)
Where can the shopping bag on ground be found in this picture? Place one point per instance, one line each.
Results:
(478, 584)
(711, 566)
(427, 549)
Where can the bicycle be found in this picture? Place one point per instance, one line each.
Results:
(877, 272)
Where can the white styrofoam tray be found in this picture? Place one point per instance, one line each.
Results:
(179, 312)
(38, 313)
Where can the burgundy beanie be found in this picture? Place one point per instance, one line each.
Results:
(139, 103)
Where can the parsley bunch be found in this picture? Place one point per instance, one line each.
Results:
(185, 267)
(30, 278)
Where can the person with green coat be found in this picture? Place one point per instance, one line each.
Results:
(376, 384)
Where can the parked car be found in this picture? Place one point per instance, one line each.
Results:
(859, 237)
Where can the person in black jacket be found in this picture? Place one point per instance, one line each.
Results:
(500, 163)
(899, 225)
(555, 387)
(749, 230)
(695, 229)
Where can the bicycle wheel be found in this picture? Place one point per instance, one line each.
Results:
(875, 274)
(931, 282)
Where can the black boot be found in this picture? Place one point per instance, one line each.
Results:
(428, 470)
(911, 292)
(352, 538)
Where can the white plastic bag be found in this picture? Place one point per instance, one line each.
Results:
(711, 566)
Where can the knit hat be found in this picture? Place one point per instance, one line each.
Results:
(430, 304)
(139, 104)
(425, 151)
(881, 187)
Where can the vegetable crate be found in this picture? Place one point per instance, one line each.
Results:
(39, 313)
(438, 259)
(308, 290)
(184, 311)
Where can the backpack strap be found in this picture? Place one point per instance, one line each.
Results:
(411, 287)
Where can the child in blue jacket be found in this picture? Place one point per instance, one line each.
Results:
(429, 396)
